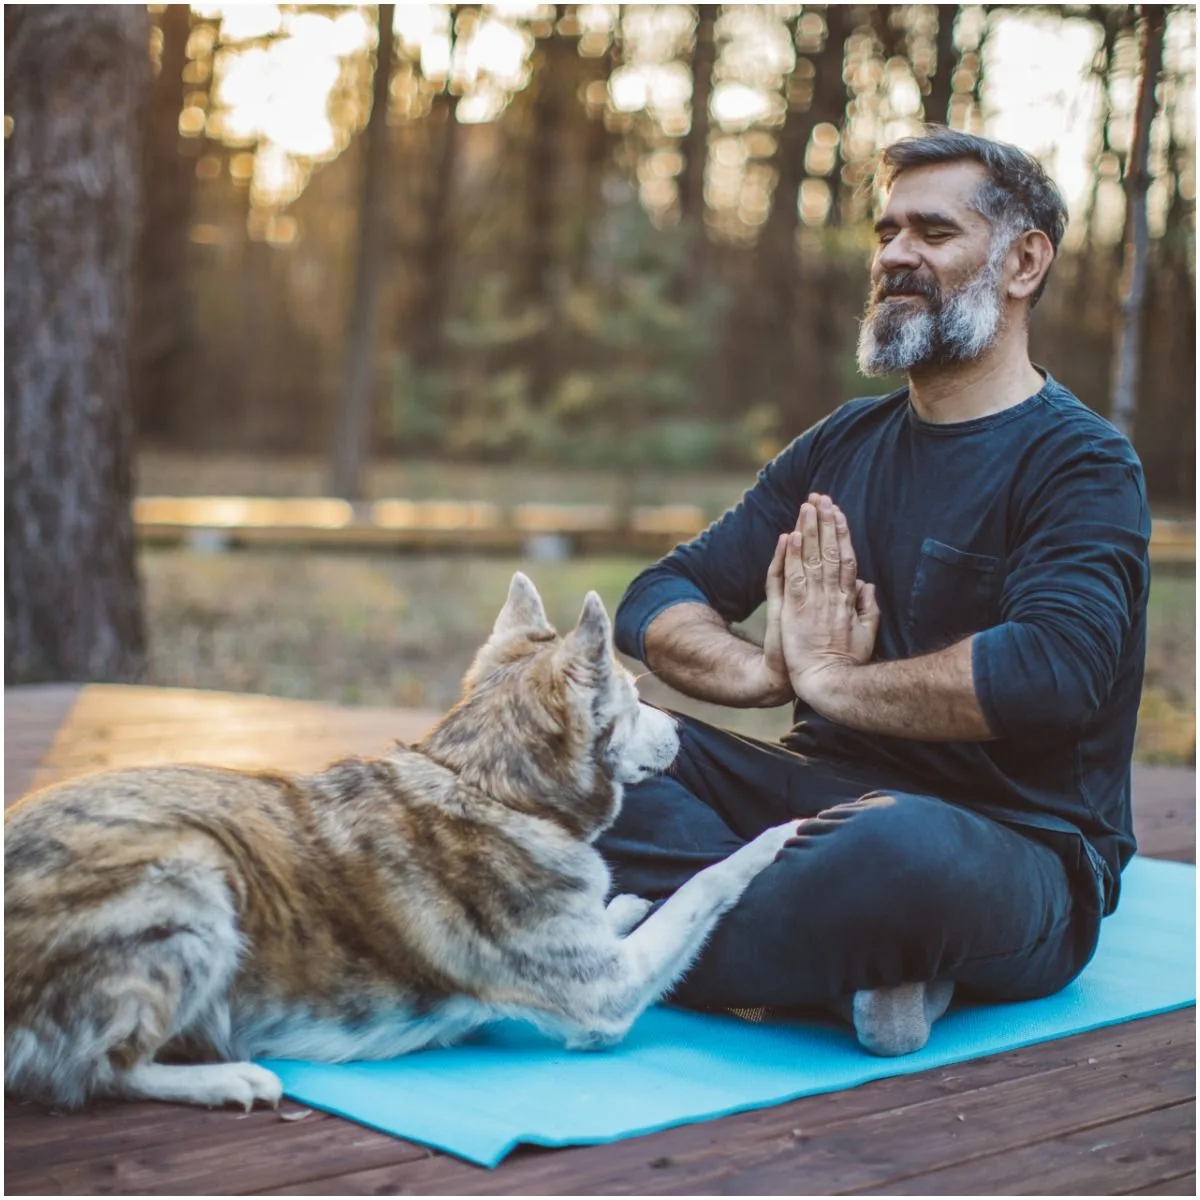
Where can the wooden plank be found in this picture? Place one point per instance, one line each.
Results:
(1181, 1185)
(867, 1155)
(110, 725)
(702, 1158)
(106, 1125)
(1164, 812)
(73, 1138)
(392, 522)
(229, 1154)
(1108, 1158)
(32, 718)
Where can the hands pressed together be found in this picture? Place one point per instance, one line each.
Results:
(821, 618)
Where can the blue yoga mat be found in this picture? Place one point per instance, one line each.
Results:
(511, 1085)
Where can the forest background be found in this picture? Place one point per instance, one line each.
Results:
(578, 253)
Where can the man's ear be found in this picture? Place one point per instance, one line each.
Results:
(1033, 256)
(523, 610)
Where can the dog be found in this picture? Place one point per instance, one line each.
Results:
(166, 925)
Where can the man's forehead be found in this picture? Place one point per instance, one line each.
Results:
(937, 187)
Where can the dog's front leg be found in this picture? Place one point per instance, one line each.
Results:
(661, 949)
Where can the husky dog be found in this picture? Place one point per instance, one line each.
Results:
(215, 916)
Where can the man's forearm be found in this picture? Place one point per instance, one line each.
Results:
(931, 698)
(691, 648)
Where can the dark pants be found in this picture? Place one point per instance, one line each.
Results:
(885, 886)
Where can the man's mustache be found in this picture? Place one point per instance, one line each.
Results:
(905, 283)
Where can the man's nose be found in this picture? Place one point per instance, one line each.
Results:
(899, 253)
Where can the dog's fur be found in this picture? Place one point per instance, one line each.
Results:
(377, 907)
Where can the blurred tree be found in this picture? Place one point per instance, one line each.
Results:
(695, 155)
(941, 83)
(426, 313)
(599, 148)
(546, 279)
(1127, 340)
(163, 319)
(352, 435)
(506, 227)
(74, 88)
(787, 286)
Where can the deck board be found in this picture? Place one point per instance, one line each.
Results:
(1103, 1112)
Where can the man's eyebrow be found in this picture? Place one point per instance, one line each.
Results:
(923, 220)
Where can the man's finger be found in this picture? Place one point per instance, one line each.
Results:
(775, 570)
(847, 566)
(795, 576)
(866, 607)
(814, 498)
(808, 542)
(827, 530)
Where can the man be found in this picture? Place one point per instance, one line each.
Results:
(955, 578)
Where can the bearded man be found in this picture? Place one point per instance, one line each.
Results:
(955, 577)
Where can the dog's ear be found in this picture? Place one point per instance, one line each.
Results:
(591, 639)
(522, 610)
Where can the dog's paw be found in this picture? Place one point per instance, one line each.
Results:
(764, 849)
(207, 1085)
(759, 854)
(242, 1084)
(625, 912)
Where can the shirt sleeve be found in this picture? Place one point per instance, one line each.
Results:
(724, 567)
(1072, 590)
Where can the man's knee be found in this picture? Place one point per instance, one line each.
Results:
(893, 862)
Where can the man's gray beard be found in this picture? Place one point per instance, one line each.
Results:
(892, 339)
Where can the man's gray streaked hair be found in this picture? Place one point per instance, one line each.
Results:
(1016, 196)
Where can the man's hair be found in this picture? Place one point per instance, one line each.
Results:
(1016, 196)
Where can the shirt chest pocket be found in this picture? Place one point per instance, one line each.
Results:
(955, 593)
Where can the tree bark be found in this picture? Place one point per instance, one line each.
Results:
(163, 317)
(695, 155)
(75, 84)
(545, 278)
(941, 86)
(352, 437)
(428, 311)
(1127, 343)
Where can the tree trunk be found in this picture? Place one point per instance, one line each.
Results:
(598, 152)
(352, 437)
(784, 278)
(1127, 342)
(163, 321)
(424, 335)
(695, 155)
(941, 86)
(75, 84)
(545, 279)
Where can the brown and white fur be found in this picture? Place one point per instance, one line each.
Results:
(164, 926)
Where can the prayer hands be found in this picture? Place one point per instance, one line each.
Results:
(820, 615)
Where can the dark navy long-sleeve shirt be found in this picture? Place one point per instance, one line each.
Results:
(1028, 528)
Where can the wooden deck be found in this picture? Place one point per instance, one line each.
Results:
(1108, 1112)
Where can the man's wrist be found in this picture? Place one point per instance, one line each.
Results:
(823, 685)
(770, 689)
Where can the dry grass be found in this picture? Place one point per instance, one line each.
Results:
(370, 629)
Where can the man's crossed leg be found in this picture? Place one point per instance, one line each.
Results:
(887, 900)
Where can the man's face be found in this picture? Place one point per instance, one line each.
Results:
(936, 276)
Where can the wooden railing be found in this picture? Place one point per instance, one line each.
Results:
(216, 522)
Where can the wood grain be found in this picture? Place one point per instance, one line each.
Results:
(1107, 1158)
(1103, 1112)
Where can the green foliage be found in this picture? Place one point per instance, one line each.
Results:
(640, 357)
